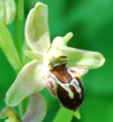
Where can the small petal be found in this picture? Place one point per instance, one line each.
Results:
(77, 57)
(60, 42)
(29, 80)
(34, 55)
(36, 29)
(57, 44)
(79, 71)
(36, 110)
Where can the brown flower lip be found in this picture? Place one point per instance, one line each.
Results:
(68, 89)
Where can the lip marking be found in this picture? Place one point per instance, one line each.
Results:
(66, 85)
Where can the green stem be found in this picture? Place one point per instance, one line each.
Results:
(63, 115)
(18, 31)
(18, 25)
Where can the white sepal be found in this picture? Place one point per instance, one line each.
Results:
(36, 29)
(29, 80)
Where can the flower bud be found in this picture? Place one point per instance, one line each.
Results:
(7, 11)
(11, 114)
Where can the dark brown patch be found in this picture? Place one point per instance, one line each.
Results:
(66, 101)
(63, 57)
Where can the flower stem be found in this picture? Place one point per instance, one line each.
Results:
(63, 115)
(18, 32)
(18, 25)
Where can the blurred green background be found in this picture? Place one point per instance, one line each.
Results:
(91, 21)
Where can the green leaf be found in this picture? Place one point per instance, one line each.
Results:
(77, 57)
(36, 29)
(29, 80)
(8, 47)
(63, 115)
(7, 11)
(36, 110)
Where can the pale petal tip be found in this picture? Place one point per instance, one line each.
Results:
(77, 114)
(40, 4)
(68, 36)
(9, 102)
(101, 60)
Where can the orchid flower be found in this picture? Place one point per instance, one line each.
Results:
(43, 70)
